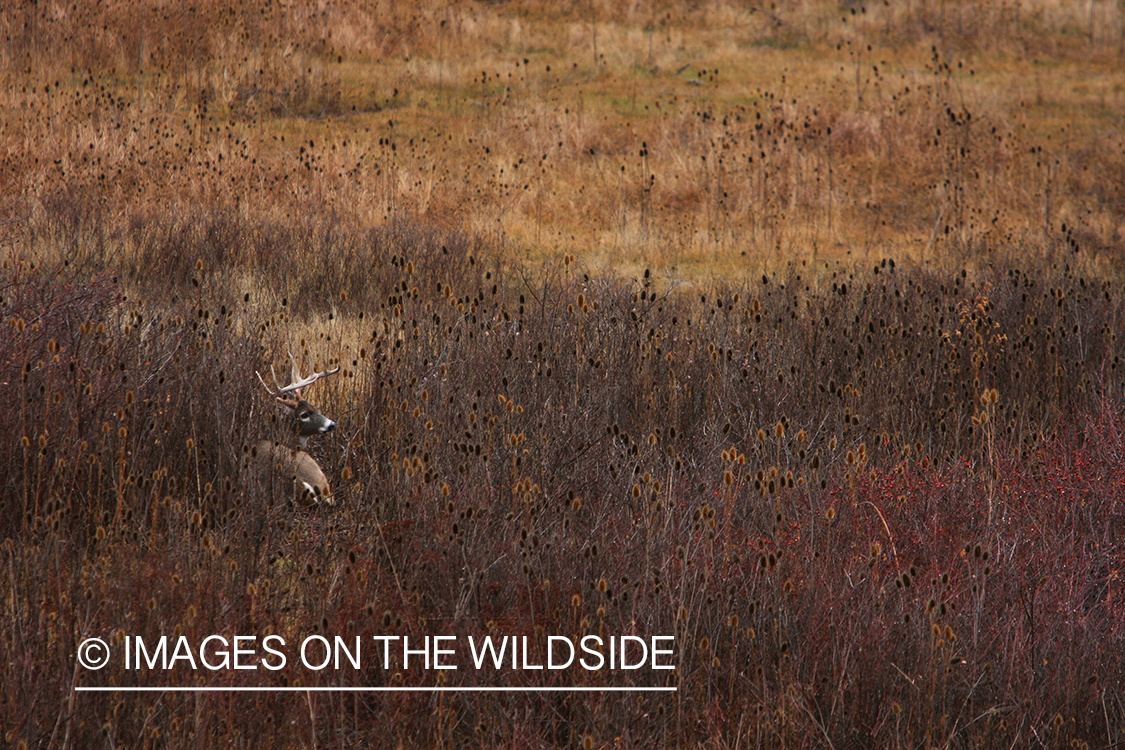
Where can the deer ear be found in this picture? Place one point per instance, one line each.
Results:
(290, 402)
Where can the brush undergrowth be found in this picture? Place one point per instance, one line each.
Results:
(875, 507)
(878, 502)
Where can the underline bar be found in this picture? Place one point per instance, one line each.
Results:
(290, 689)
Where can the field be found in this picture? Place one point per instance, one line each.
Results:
(791, 333)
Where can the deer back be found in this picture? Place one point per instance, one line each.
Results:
(293, 465)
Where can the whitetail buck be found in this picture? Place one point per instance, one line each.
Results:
(301, 420)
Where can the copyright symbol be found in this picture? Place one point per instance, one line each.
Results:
(93, 653)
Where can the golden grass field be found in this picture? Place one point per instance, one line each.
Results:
(791, 331)
(699, 140)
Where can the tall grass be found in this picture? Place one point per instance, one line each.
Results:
(723, 142)
(873, 506)
(792, 334)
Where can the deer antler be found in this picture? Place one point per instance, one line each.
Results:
(297, 382)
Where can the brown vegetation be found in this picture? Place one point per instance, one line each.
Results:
(714, 140)
(606, 365)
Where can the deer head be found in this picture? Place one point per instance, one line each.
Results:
(306, 418)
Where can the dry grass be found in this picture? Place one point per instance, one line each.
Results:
(794, 333)
(729, 141)
(888, 506)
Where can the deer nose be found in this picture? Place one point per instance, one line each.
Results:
(329, 426)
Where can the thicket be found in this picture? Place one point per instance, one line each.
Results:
(854, 437)
(876, 506)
